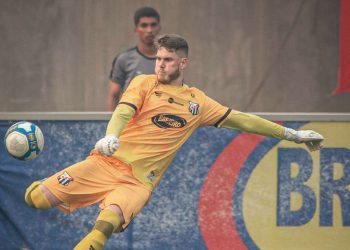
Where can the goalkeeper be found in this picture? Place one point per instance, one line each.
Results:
(156, 115)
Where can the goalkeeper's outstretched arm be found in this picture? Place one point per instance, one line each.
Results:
(254, 124)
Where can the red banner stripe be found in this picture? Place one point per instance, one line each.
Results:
(344, 49)
(215, 210)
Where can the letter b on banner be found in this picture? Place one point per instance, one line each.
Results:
(288, 184)
(331, 185)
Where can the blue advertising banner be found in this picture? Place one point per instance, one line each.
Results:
(224, 190)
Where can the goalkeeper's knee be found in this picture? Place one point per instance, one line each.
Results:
(35, 198)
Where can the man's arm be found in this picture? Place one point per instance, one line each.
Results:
(120, 117)
(113, 95)
(117, 78)
(253, 124)
(257, 125)
(130, 102)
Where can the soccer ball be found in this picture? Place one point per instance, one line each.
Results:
(24, 141)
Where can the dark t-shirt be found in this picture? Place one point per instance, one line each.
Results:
(129, 64)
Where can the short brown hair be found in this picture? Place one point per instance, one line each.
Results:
(173, 42)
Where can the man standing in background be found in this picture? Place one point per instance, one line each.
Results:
(137, 60)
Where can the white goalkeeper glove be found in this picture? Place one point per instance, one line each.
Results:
(107, 145)
(312, 139)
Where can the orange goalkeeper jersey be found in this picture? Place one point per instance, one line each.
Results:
(165, 118)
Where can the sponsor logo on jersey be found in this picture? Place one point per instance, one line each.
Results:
(168, 121)
(193, 108)
(171, 100)
(64, 179)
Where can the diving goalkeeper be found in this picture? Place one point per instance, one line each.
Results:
(155, 116)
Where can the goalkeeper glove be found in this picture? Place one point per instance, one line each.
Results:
(107, 145)
(312, 139)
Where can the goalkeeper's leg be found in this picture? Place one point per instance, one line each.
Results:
(109, 220)
(38, 196)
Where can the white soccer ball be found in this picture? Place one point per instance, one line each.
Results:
(24, 141)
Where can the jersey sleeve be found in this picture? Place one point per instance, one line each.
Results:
(135, 94)
(213, 113)
(118, 74)
(253, 124)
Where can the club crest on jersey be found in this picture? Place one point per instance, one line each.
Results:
(193, 108)
(64, 179)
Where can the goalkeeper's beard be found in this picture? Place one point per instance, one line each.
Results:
(168, 79)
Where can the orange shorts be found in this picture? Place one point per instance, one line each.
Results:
(99, 179)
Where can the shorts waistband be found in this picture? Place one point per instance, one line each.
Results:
(112, 160)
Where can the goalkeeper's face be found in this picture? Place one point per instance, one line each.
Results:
(169, 66)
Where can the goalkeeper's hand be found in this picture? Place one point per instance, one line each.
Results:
(107, 145)
(312, 139)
